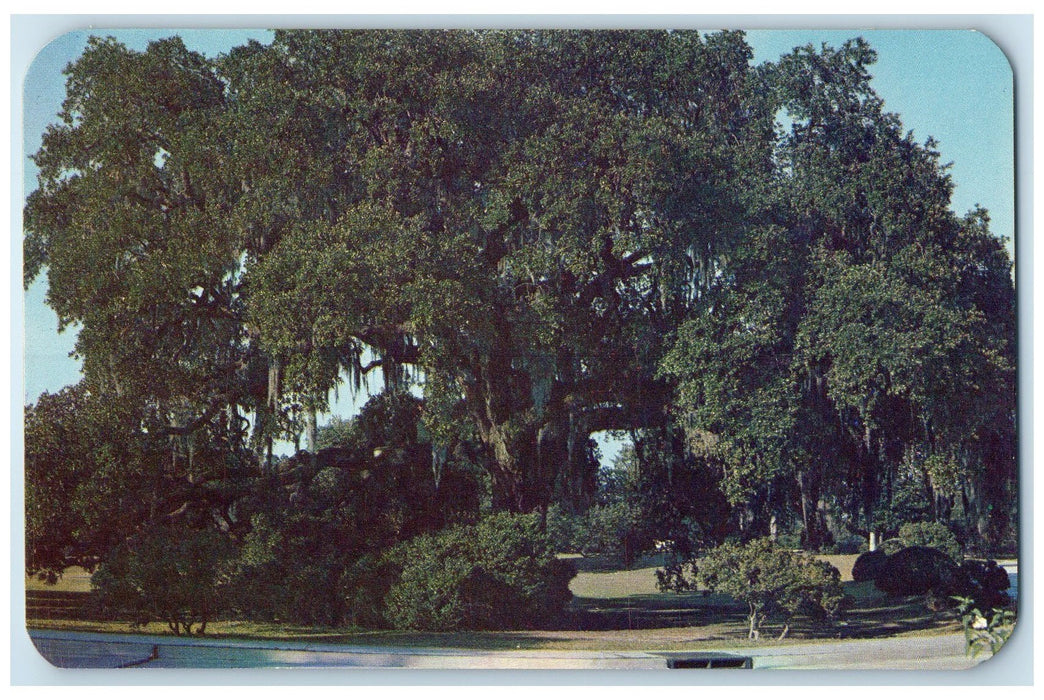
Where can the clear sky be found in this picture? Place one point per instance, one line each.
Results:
(953, 85)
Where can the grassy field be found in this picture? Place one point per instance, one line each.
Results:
(614, 609)
(73, 580)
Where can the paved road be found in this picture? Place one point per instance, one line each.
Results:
(940, 653)
(89, 650)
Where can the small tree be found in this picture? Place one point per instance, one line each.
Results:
(771, 581)
(175, 575)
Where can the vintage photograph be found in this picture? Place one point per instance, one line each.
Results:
(669, 348)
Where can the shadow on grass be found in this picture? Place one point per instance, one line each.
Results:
(654, 611)
(868, 614)
(606, 564)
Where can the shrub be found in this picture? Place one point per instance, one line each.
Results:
(917, 571)
(609, 529)
(771, 581)
(500, 573)
(985, 583)
(174, 575)
(929, 534)
(868, 565)
(290, 568)
(923, 570)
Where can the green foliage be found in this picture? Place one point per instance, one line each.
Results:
(312, 553)
(339, 432)
(929, 534)
(609, 529)
(892, 545)
(290, 569)
(919, 571)
(501, 573)
(62, 452)
(771, 582)
(613, 525)
(984, 631)
(868, 565)
(95, 473)
(170, 574)
(863, 337)
(562, 528)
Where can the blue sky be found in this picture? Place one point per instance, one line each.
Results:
(953, 85)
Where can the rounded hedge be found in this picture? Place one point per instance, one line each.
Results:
(501, 573)
(918, 570)
(868, 565)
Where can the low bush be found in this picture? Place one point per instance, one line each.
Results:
(918, 571)
(610, 529)
(985, 583)
(290, 569)
(868, 565)
(852, 544)
(501, 573)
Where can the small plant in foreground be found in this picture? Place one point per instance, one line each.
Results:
(982, 631)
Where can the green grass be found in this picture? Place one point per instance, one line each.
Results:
(74, 580)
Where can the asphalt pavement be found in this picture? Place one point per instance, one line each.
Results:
(91, 650)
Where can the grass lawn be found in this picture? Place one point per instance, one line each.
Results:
(614, 609)
(73, 580)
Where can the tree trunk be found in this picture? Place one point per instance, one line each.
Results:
(310, 430)
(814, 534)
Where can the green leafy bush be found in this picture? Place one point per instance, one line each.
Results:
(986, 583)
(500, 573)
(868, 565)
(174, 575)
(770, 580)
(852, 544)
(313, 553)
(611, 529)
(930, 534)
(918, 570)
(290, 568)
